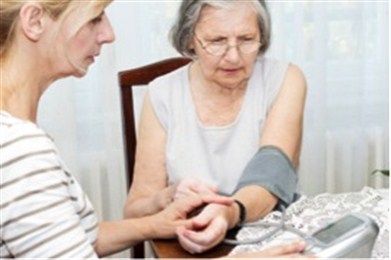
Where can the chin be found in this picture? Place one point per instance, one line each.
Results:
(80, 72)
(234, 83)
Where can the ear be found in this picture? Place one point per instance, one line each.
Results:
(31, 19)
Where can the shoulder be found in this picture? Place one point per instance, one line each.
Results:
(269, 65)
(294, 86)
(18, 131)
(168, 79)
(289, 72)
(24, 145)
(295, 77)
(169, 87)
(295, 71)
(270, 71)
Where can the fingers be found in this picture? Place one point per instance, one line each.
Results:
(187, 244)
(189, 203)
(196, 240)
(285, 251)
(207, 215)
(296, 247)
(201, 188)
(190, 186)
(215, 198)
(201, 244)
(211, 235)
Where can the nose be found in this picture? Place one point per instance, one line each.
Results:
(106, 34)
(232, 54)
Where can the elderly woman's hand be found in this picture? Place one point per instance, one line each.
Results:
(191, 186)
(176, 214)
(208, 229)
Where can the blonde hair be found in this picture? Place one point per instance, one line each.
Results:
(9, 13)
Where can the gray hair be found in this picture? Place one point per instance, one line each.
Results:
(189, 12)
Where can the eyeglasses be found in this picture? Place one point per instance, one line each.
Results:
(220, 47)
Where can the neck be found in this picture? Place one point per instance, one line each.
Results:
(21, 89)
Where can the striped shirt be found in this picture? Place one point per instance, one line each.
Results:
(44, 212)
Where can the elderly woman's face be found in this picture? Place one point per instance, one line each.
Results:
(232, 26)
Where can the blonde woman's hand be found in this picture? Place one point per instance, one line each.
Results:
(284, 251)
(176, 214)
(191, 186)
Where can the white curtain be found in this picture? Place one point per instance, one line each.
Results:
(341, 46)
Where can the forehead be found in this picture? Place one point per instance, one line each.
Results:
(236, 17)
(79, 13)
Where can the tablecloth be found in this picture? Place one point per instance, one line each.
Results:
(309, 214)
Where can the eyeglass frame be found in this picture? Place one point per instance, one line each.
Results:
(227, 46)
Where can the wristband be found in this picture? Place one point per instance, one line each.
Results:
(242, 213)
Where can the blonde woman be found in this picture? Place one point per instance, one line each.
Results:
(44, 212)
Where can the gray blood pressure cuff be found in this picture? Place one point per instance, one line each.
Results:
(271, 169)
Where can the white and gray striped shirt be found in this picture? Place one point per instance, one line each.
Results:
(44, 212)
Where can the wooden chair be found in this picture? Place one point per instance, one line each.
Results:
(129, 79)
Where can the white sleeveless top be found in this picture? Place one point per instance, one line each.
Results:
(215, 155)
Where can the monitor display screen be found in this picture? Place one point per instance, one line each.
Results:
(337, 229)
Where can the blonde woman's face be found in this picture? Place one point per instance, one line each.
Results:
(81, 49)
(232, 25)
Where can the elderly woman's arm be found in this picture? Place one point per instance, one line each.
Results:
(281, 143)
(149, 192)
(284, 122)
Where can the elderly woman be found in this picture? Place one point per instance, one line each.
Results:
(229, 122)
(44, 212)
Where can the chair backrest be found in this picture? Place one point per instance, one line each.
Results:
(129, 79)
(139, 77)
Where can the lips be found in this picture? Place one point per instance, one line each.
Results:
(229, 70)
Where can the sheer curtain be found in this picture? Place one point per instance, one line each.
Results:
(342, 48)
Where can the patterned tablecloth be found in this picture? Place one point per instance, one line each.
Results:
(309, 214)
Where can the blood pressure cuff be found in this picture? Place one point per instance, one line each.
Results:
(271, 169)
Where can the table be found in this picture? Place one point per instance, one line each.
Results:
(170, 248)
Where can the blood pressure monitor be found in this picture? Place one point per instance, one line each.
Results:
(352, 236)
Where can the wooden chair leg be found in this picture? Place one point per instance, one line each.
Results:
(139, 251)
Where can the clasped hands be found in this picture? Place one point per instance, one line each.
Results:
(202, 231)
(210, 224)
